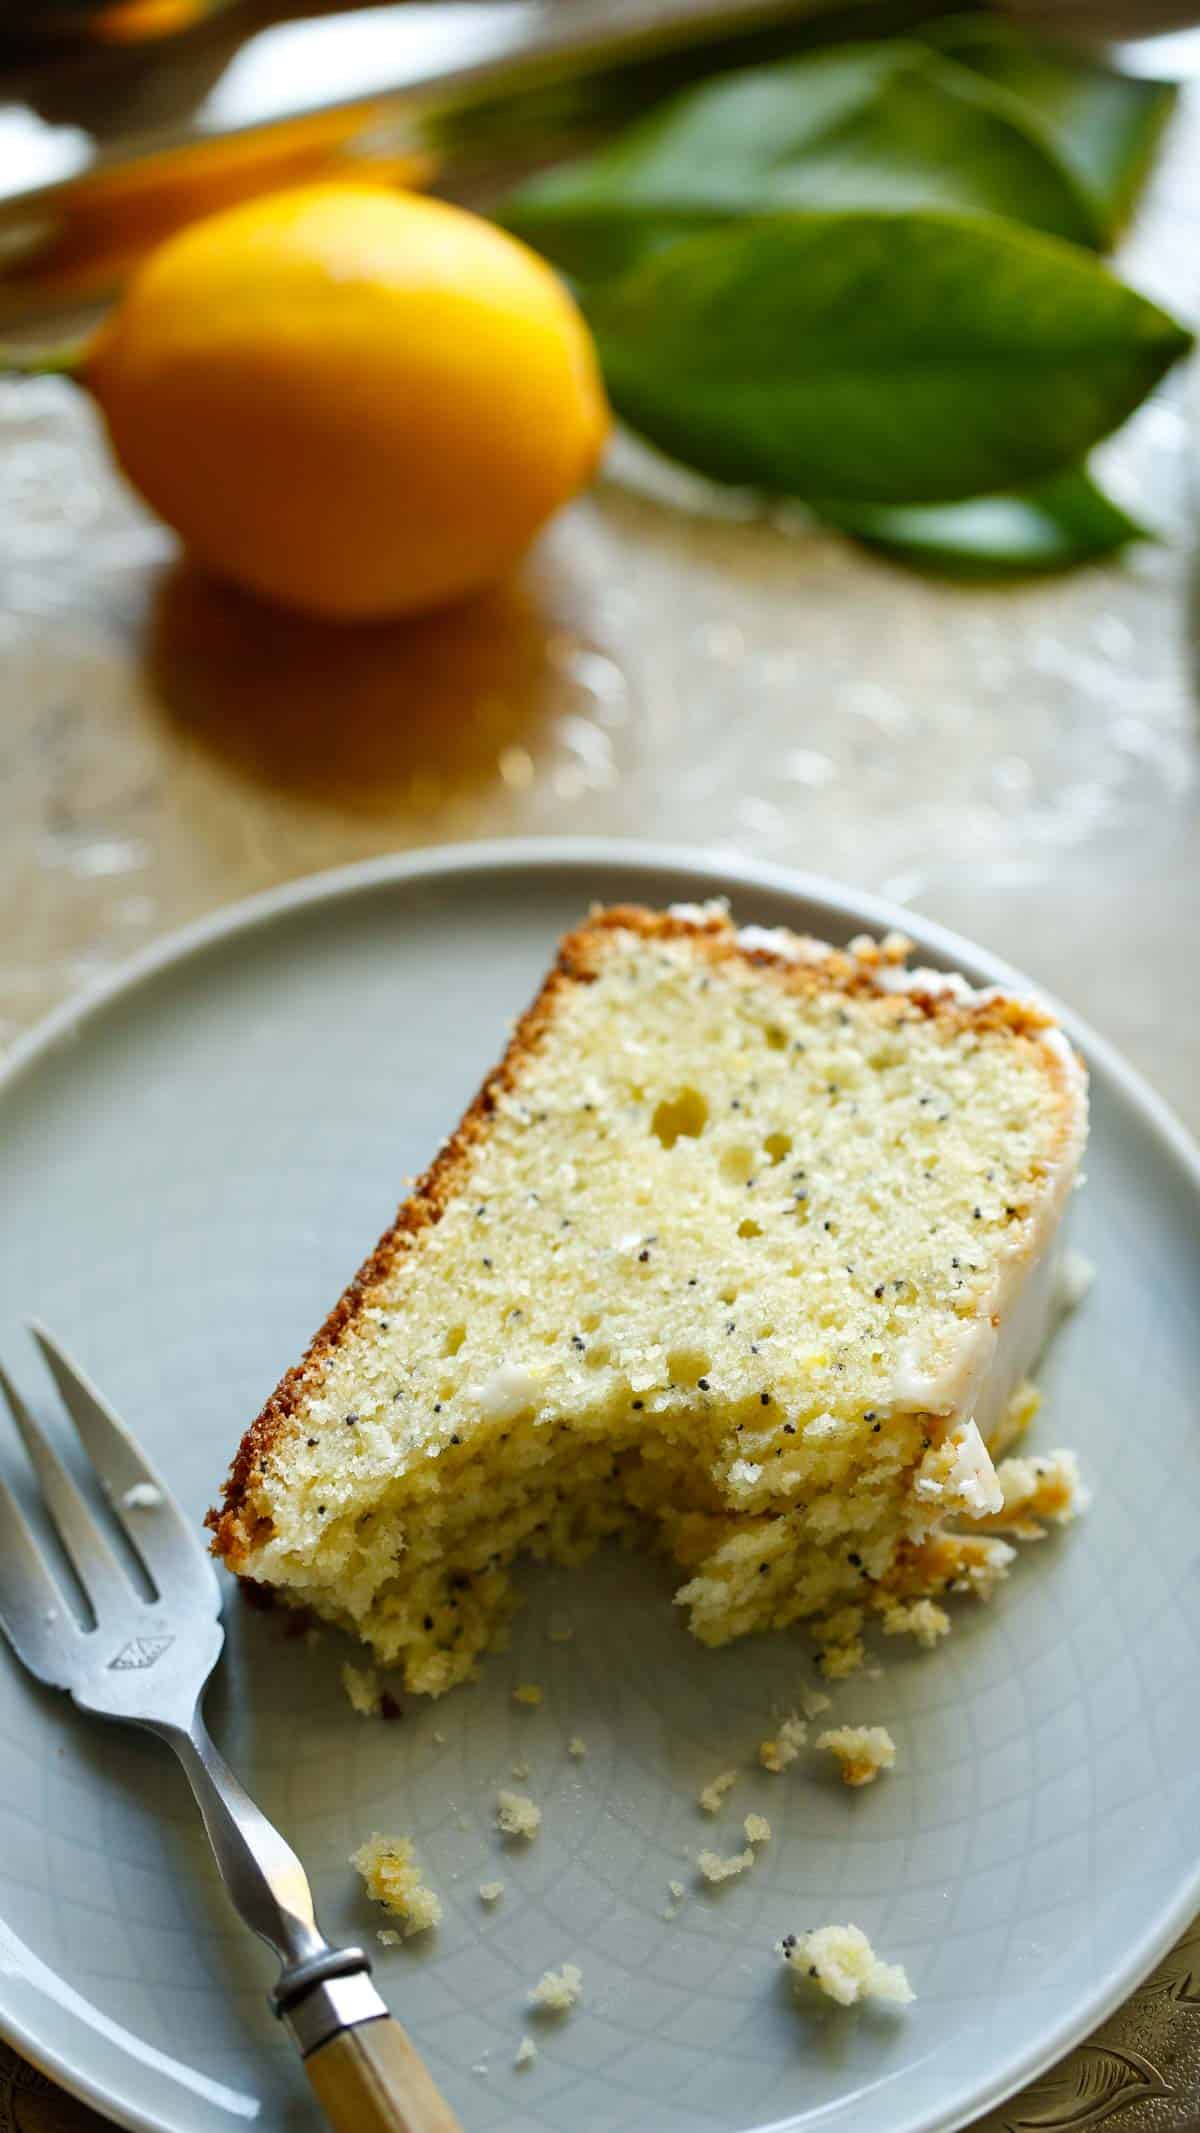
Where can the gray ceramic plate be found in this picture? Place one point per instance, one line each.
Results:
(189, 1166)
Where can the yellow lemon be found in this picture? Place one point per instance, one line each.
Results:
(353, 401)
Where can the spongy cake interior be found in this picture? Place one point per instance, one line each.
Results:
(718, 1259)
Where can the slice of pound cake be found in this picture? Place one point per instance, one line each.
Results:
(745, 1248)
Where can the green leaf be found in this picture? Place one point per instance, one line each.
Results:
(1061, 523)
(548, 113)
(882, 125)
(1104, 126)
(880, 358)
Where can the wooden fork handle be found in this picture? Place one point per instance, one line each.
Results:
(370, 2080)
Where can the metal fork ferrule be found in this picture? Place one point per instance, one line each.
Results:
(297, 1979)
(335, 2004)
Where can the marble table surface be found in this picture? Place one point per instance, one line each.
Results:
(1022, 763)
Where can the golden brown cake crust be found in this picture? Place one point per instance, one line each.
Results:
(577, 963)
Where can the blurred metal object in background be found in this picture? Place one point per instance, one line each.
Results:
(103, 152)
(102, 22)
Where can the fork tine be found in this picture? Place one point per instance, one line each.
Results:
(101, 1576)
(33, 1613)
(168, 1544)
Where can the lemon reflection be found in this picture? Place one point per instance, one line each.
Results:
(371, 719)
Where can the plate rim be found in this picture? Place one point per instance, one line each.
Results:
(718, 871)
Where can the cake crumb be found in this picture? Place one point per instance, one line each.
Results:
(387, 1937)
(676, 1893)
(439, 1740)
(1075, 1277)
(1018, 1413)
(528, 1692)
(839, 1627)
(839, 1660)
(776, 1754)
(517, 1815)
(757, 1829)
(714, 1792)
(361, 1684)
(562, 1633)
(922, 1619)
(520, 1770)
(390, 1874)
(490, 1891)
(1037, 1488)
(715, 1868)
(527, 2052)
(842, 1650)
(841, 1963)
(577, 1747)
(143, 1496)
(557, 1991)
(814, 1701)
(862, 1751)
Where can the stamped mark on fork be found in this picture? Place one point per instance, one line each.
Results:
(140, 1652)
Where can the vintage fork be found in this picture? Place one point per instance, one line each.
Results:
(145, 1659)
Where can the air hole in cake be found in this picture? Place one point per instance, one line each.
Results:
(688, 1365)
(776, 1038)
(749, 1227)
(680, 1117)
(777, 1146)
(737, 1164)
